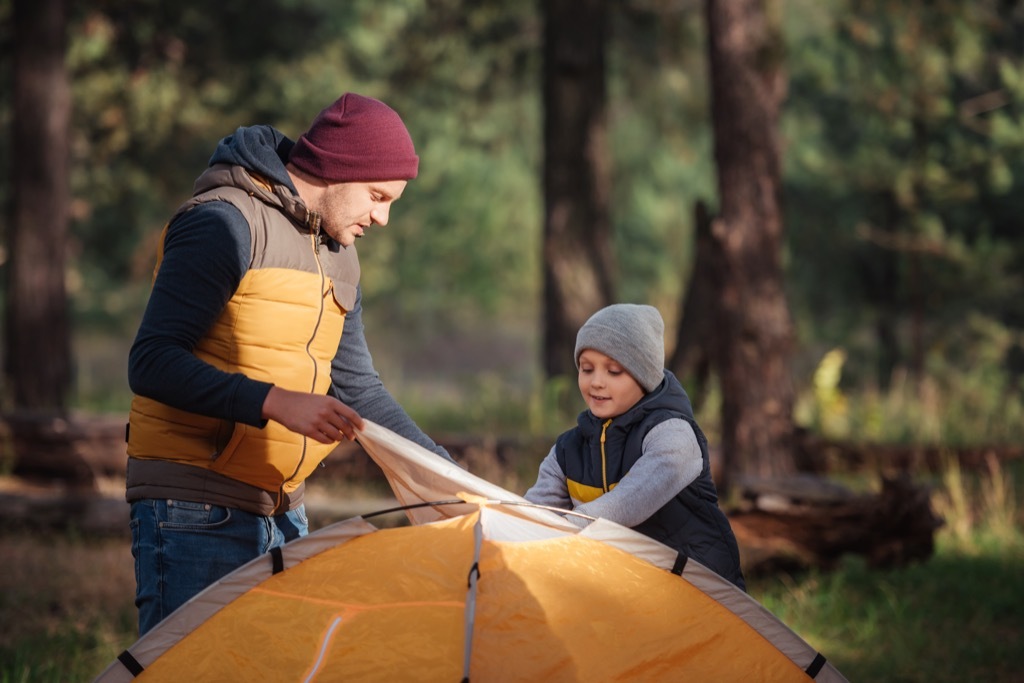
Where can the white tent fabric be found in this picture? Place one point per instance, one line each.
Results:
(418, 476)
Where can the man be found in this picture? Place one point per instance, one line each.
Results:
(250, 363)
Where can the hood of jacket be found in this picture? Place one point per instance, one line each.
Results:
(262, 150)
(253, 159)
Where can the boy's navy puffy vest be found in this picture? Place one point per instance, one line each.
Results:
(691, 522)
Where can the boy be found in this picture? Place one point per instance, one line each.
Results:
(637, 456)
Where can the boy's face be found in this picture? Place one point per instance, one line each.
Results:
(606, 386)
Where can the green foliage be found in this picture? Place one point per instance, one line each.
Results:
(497, 409)
(465, 242)
(661, 145)
(952, 404)
(903, 174)
(450, 232)
(154, 87)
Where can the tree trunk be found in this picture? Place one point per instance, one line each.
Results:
(697, 332)
(578, 260)
(747, 86)
(36, 330)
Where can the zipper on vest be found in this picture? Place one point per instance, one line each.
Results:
(604, 461)
(314, 221)
(323, 281)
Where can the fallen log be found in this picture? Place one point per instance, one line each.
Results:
(34, 508)
(807, 521)
(819, 455)
(54, 508)
(75, 450)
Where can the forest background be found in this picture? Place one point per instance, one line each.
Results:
(901, 143)
(901, 138)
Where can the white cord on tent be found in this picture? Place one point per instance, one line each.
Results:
(321, 655)
(474, 577)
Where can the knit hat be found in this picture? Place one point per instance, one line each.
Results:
(356, 139)
(631, 334)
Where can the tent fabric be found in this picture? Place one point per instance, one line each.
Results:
(488, 589)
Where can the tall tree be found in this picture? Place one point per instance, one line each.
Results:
(578, 260)
(37, 365)
(697, 335)
(756, 331)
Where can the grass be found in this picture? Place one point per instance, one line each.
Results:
(66, 605)
(958, 617)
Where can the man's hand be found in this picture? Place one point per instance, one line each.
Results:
(323, 418)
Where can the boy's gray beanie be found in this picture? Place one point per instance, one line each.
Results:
(631, 334)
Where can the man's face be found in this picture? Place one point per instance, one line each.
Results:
(349, 209)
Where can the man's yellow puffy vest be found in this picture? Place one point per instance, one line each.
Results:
(282, 326)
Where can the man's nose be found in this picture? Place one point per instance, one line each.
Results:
(380, 214)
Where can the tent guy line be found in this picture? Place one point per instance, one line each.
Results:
(487, 501)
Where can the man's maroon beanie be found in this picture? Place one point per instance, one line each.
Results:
(356, 139)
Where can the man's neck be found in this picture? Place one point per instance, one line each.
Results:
(309, 188)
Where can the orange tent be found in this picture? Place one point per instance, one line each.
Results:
(486, 588)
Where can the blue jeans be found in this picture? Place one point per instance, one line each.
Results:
(180, 548)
